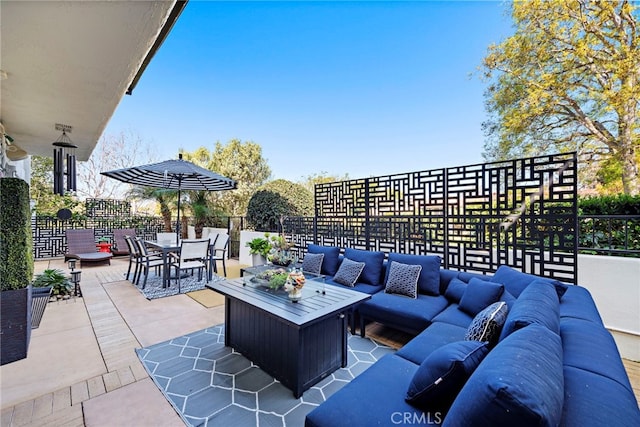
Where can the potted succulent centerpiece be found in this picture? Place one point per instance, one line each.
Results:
(281, 253)
(259, 248)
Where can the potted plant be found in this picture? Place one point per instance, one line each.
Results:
(43, 285)
(104, 245)
(281, 251)
(259, 248)
(16, 269)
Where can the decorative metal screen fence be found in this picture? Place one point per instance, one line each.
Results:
(522, 213)
(103, 216)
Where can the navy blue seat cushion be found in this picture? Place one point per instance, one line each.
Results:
(372, 273)
(331, 259)
(488, 324)
(441, 376)
(454, 315)
(373, 398)
(411, 315)
(578, 303)
(519, 383)
(429, 279)
(516, 281)
(508, 298)
(455, 290)
(360, 287)
(593, 400)
(591, 347)
(478, 295)
(426, 342)
(538, 303)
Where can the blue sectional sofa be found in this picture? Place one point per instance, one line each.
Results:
(502, 350)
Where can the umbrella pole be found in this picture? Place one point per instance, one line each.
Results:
(178, 224)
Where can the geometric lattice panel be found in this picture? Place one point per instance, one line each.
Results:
(521, 213)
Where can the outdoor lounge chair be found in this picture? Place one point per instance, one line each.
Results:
(81, 245)
(121, 247)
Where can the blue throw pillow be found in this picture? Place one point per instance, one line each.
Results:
(349, 272)
(516, 281)
(443, 373)
(478, 295)
(429, 281)
(488, 324)
(331, 259)
(455, 290)
(403, 279)
(373, 264)
(519, 383)
(539, 304)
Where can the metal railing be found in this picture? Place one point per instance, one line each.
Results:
(617, 235)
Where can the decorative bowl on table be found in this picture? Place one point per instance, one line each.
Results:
(273, 279)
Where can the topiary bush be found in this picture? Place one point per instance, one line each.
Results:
(276, 199)
(16, 256)
(619, 204)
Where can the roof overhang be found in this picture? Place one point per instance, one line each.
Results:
(71, 62)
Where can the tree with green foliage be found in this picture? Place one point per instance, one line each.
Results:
(163, 197)
(240, 161)
(277, 199)
(41, 189)
(310, 181)
(568, 79)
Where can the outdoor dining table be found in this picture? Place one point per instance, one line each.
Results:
(174, 246)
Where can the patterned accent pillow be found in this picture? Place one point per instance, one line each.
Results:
(403, 279)
(312, 263)
(349, 272)
(487, 324)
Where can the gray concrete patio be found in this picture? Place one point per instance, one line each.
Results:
(81, 367)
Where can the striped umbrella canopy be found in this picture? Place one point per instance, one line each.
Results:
(175, 175)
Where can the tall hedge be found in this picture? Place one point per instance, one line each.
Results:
(275, 199)
(619, 204)
(16, 255)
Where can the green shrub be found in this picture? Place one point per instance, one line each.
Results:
(16, 255)
(619, 204)
(276, 199)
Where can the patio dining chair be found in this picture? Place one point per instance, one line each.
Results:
(146, 261)
(193, 255)
(219, 252)
(166, 237)
(121, 247)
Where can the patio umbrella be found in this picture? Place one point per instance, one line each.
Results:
(175, 175)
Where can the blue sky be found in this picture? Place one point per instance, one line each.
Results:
(364, 88)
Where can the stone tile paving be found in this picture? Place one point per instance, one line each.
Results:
(209, 384)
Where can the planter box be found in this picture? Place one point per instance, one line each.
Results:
(39, 299)
(15, 324)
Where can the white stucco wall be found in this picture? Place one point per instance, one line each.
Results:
(614, 283)
(246, 236)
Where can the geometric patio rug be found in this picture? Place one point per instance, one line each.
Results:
(209, 384)
(188, 283)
